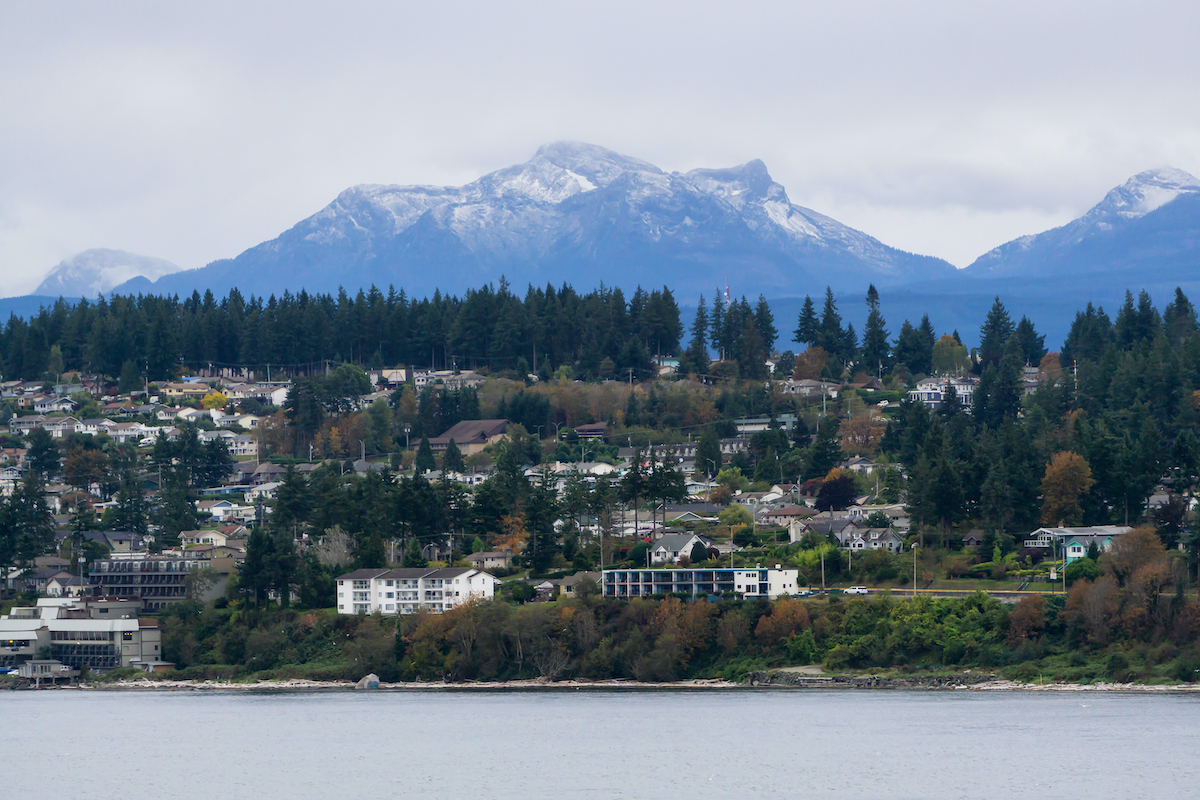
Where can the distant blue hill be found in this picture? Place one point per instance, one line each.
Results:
(27, 305)
(584, 215)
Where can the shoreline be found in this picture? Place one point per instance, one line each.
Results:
(755, 683)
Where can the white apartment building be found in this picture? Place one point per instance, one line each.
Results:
(406, 591)
(749, 583)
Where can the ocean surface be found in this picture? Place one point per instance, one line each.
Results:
(597, 744)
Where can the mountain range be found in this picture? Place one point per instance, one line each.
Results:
(582, 214)
(574, 212)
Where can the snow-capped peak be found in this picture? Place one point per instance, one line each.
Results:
(96, 271)
(1145, 192)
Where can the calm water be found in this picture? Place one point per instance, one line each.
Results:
(711, 744)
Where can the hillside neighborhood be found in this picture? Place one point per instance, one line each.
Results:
(757, 477)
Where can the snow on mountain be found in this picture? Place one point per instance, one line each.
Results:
(1145, 192)
(1150, 221)
(97, 271)
(577, 213)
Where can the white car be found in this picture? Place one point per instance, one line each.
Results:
(856, 590)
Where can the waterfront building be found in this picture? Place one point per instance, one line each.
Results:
(749, 583)
(406, 591)
(157, 580)
(97, 633)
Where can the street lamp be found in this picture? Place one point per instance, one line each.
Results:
(712, 469)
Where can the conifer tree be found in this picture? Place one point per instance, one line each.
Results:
(994, 335)
(876, 355)
(424, 461)
(764, 321)
(452, 459)
(806, 326)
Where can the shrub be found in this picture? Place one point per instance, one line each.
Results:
(1024, 672)
(1117, 662)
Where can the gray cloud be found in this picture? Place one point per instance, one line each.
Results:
(191, 132)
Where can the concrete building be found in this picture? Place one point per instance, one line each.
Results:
(156, 580)
(406, 591)
(97, 633)
(749, 583)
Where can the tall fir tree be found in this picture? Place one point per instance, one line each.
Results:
(764, 321)
(424, 462)
(994, 335)
(876, 352)
(806, 325)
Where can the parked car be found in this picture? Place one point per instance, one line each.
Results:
(856, 590)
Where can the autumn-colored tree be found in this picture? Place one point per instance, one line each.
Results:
(1091, 606)
(1068, 477)
(837, 490)
(810, 364)
(1027, 620)
(214, 399)
(1051, 366)
(862, 432)
(1131, 551)
(731, 630)
(789, 616)
(512, 535)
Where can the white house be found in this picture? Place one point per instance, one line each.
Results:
(1076, 540)
(675, 546)
(406, 591)
(932, 391)
(243, 446)
(59, 427)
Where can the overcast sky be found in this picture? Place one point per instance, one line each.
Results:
(192, 131)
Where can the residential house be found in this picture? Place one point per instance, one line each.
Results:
(97, 426)
(1076, 540)
(877, 539)
(568, 584)
(491, 559)
(61, 427)
(784, 515)
(932, 391)
(23, 426)
(593, 431)
(243, 446)
(673, 547)
(224, 510)
(471, 436)
(185, 391)
(50, 405)
(14, 456)
(266, 473)
(264, 491)
(810, 388)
